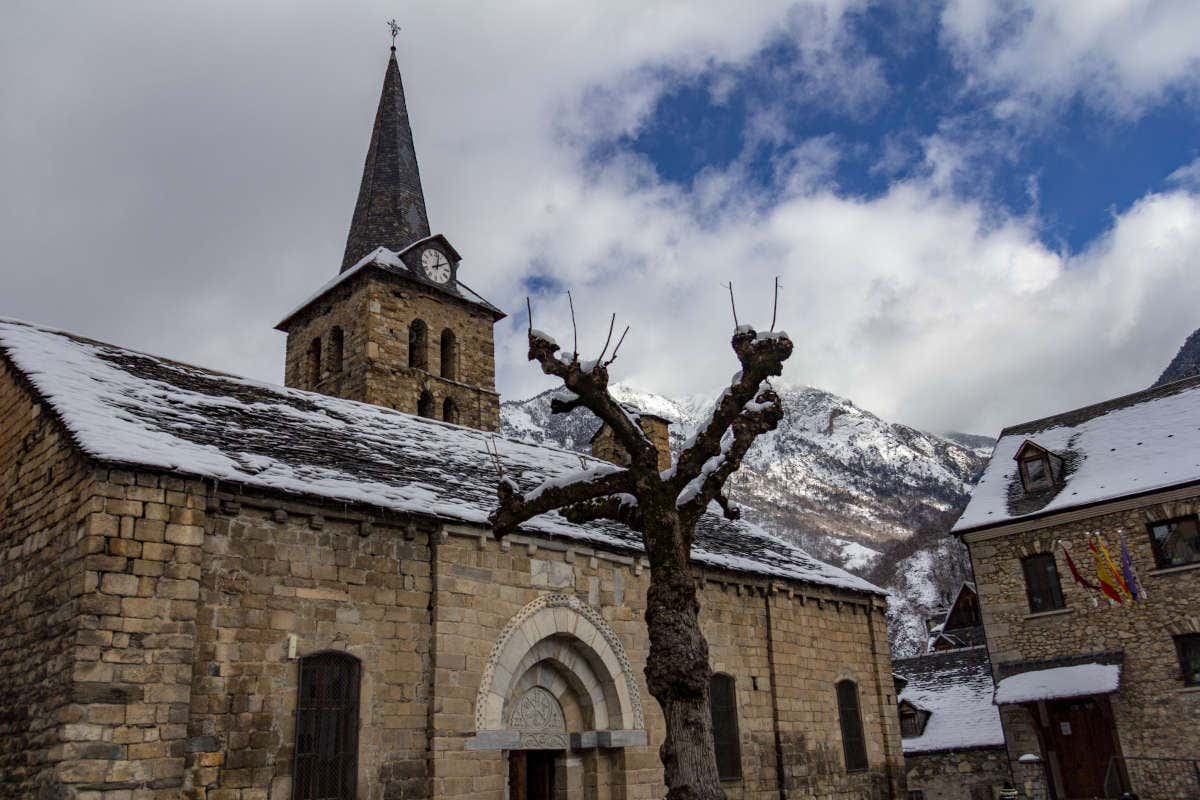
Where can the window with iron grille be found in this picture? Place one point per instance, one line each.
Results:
(854, 744)
(1176, 542)
(1041, 583)
(326, 761)
(722, 698)
(916, 794)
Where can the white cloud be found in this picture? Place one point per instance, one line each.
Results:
(1188, 175)
(178, 177)
(1120, 55)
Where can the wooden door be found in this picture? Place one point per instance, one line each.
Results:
(1081, 734)
(531, 775)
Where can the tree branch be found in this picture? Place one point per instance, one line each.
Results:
(590, 386)
(758, 417)
(761, 357)
(621, 508)
(515, 508)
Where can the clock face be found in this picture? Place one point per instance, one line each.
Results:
(436, 265)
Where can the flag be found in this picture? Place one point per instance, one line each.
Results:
(1107, 577)
(1112, 568)
(1082, 581)
(1131, 581)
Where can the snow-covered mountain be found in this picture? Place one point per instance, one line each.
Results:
(843, 483)
(834, 476)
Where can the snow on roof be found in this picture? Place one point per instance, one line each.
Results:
(392, 261)
(955, 687)
(128, 408)
(1077, 680)
(1138, 443)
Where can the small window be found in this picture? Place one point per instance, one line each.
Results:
(916, 794)
(910, 724)
(425, 405)
(854, 744)
(450, 410)
(1188, 647)
(1041, 583)
(1035, 472)
(723, 702)
(1176, 542)
(337, 346)
(314, 363)
(449, 355)
(418, 344)
(326, 760)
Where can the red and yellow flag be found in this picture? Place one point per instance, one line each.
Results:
(1111, 583)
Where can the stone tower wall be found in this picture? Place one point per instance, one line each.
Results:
(605, 446)
(374, 314)
(393, 305)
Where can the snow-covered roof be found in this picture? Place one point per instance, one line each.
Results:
(1052, 682)
(955, 687)
(1129, 445)
(128, 408)
(392, 261)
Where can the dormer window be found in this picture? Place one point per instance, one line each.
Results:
(1040, 468)
(1036, 472)
(912, 720)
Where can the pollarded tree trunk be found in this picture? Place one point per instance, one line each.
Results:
(664, 506)
(677, 668)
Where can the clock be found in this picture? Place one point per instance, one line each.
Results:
(436, 265)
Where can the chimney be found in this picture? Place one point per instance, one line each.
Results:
(605, 446)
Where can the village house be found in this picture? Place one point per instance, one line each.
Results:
(1096, 694)
(223, 589)
(952, 738)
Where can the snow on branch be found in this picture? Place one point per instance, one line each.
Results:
(744, 406)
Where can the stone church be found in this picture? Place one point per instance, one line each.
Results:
(218, 588)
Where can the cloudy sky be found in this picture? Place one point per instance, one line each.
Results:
(981, 211)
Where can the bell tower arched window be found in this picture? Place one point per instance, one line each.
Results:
(450, 410)
(449, 364)
(337, 349)
(425, 404)
(326, 759)
(722, 699)
(313, 367)
(418, 344)
(854, 743)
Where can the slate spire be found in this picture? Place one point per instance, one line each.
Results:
(390, 211)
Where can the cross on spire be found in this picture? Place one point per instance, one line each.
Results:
(395, 30)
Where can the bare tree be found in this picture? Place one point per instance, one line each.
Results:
(664, 507)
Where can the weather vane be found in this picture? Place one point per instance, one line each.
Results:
(395, 30)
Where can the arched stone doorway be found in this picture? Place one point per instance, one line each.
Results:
(558, 695)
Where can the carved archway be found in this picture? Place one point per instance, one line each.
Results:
(559, 658)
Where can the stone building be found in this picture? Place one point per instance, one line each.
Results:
(1096, 695)
(952, 738)
(222, 589)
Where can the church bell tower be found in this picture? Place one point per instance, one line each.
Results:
(397, 327)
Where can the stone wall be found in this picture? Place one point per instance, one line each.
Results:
(1152, 698)
(819, 637)
(44, 491)
(101, 609)
(281, 581)
(374, 313)
(976, 774)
